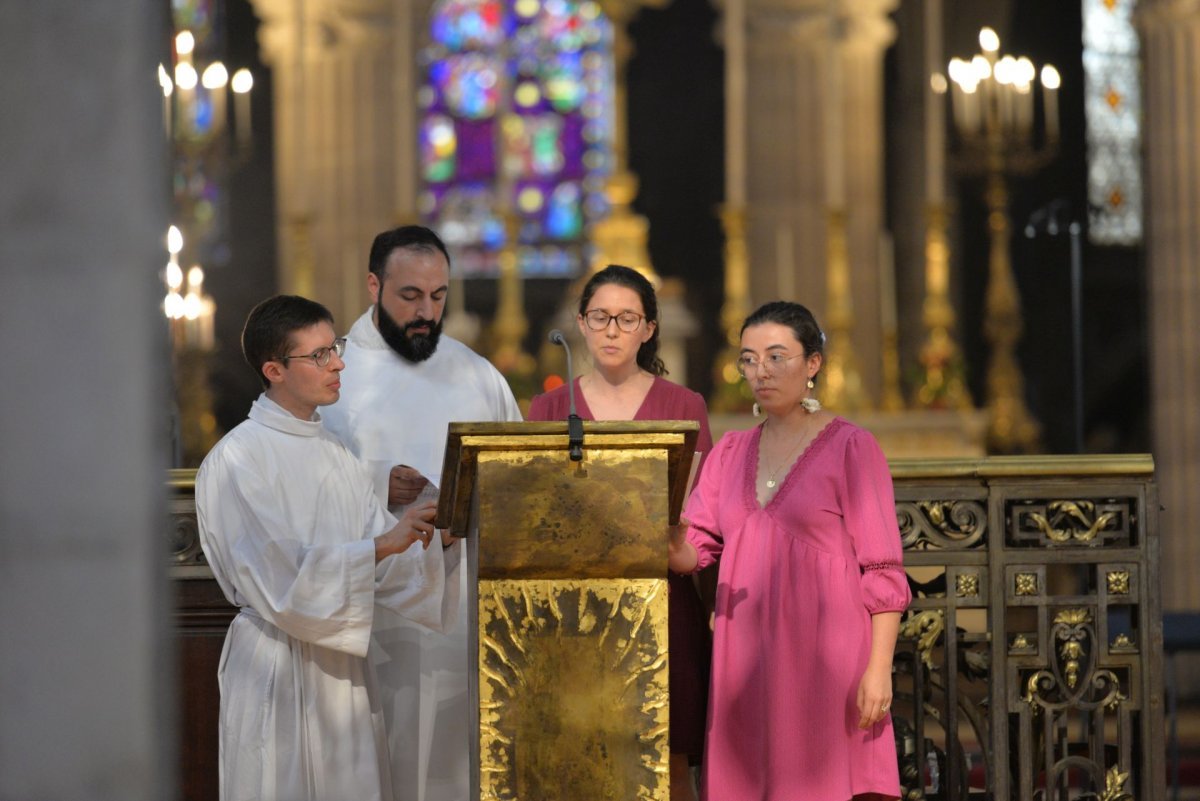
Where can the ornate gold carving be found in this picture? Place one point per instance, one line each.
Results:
(1122, 644)
(1075, 620)
(1114, 785)
(926, 628)
(966, 585)
(1025, 584)
(1020, 642)
(1118, 582)
(1087, 524)
(568, 671)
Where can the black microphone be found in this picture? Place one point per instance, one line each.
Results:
(574, 421)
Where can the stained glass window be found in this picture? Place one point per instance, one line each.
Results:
(525, 85)
(1113, 107)
(199, 118)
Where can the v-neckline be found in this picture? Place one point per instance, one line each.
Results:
(752, 466)
(582, 404)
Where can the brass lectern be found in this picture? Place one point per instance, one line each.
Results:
(569, 609)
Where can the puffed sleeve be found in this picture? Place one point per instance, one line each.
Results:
(698, 411)
(704, 531)
(870, 515)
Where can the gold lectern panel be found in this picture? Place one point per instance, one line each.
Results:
(544, 516)
(573, 690)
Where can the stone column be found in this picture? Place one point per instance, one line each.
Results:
(1170, 41)
(345, 143)
(786, 219)
(86, 705)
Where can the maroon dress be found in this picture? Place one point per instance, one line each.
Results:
(687, 621)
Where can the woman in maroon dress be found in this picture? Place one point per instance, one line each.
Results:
(618, 317)
(800, 510)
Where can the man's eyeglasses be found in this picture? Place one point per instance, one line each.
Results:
(748, 366)
(628, 321)
(321, 356)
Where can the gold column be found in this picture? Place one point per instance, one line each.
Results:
(510, 324)
(942, 385)
(843, 383)
(730, 394)
(620, 238)
(1011, 427)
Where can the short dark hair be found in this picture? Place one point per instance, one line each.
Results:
(647, 355)
(794, 316)
(267, 334)
(406, 237)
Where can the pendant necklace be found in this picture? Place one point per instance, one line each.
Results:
(773, 474)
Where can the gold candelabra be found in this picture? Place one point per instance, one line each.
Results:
(994, 117)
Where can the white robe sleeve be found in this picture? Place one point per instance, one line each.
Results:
(416, 584)
(321, 594)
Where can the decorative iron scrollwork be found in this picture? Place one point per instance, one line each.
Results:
(1073, 522)
(927, 525)
(1072, 679)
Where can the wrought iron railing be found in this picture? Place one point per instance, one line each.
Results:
(1030, 661)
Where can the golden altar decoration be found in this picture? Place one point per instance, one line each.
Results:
(569, 606)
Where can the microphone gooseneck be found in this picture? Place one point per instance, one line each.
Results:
(574, 421)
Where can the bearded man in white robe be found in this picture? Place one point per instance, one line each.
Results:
(298, 541)
(405, 383)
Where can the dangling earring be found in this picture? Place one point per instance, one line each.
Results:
(811, 404)
(755, 410)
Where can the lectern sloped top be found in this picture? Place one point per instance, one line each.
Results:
(607, 512)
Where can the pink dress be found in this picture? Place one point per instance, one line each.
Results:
(687, 621)
(799, 581)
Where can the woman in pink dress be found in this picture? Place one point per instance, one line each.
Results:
(618, 317)
(801, 513)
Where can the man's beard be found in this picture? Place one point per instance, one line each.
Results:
(415, 348)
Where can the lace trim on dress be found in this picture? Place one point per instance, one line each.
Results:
(751, 466)
(882, 566)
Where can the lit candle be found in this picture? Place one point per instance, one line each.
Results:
(168, 89)
(241, 84)
(1050, 83)
(214, 80)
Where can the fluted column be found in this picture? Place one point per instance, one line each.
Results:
(1170, 40)
(87, 703)
(786, 221)
(344, 140)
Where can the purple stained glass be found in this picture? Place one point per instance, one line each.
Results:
(548, 63)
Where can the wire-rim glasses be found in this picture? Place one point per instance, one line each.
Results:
(748, 366)
(627, 321)
(321, 356)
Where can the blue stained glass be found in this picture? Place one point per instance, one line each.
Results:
(460, 25)
(564, 218)
(469, 85)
